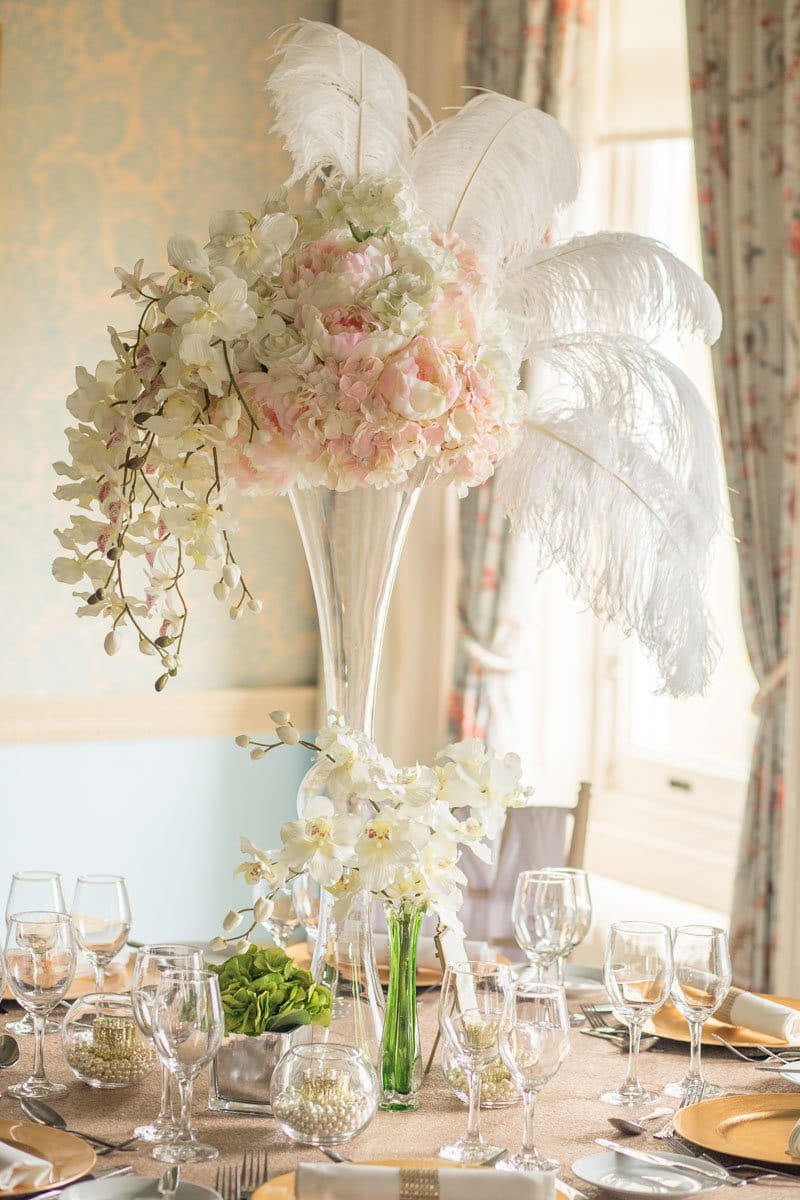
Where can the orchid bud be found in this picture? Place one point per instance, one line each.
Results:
(288, 735)
(231, 408)
(262, 909)
(221, 590)
(162, 682)
(242, 740)
(230, 428)
(217, 943)
(232, 919)
(231, 574)
(146, 647)
(279, 716)
(254, 605)
(169, 661)
(241, 945)
(236, 612)
(111, 642)
(257, 752)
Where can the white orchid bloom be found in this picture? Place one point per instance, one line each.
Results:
(386, 842)
(206, 361)
(254, 250)
(186, 257)
(320, 842)
(225, 313)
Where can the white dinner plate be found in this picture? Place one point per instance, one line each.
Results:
(790, 1076)
(582, 981)
(623, 1176)
(133, 1187)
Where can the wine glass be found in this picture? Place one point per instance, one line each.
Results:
(583, 921)
(638, 975)
(534, 1041)
(470, 1006)
(101, 914)
(34, 891)
(306, 893)
(40, 959)
(149, 965)
(188, 1024)
(702, 981)
(544, 912)
(284, 918)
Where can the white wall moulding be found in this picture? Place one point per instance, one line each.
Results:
(214, 713)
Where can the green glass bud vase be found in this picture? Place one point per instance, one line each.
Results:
(401, 1059)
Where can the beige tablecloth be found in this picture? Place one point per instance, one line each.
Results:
(569, 1114)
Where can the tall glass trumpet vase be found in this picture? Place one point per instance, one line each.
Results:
(401, 1058)
(353, 541)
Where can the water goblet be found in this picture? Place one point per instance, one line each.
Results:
(40, 960)
(101, 915)
(638, 976)
(34, 891)
(470, 1006)
(188, 1025)
(149, 965)
(702, 981)
(544, 916)
(583, 921)
(534, 1041)
(306, 892)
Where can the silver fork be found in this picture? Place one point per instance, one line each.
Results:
(255, 1168)
(228, 1182)
(598, 1020)
(694, 1094)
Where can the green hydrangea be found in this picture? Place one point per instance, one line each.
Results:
(264, 991)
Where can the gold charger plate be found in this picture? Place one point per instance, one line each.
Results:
(282, 1186)
(426, 976)
(70, 1156)
(755, 1127)
(668, 1023)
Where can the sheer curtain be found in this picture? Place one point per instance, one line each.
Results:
(542, 52)
(744, 62)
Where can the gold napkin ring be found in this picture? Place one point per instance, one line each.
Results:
(418, 1183)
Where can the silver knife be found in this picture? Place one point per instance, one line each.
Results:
(55, 1193)
(658, 1160)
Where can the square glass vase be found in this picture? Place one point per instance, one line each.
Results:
(240, 1074)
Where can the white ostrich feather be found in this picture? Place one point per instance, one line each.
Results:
(619, 483)
(616, 282)
(339, 105)
(495, 173)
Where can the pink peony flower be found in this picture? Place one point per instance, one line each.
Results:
(420, 381)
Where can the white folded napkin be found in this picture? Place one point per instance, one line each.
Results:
(19, 1169)
(426, 951)
(764, 1016)
(794, 1141)
(329, 1181)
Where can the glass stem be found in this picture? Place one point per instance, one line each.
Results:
(632, 1079)
(560, 961)
(696, 1034)
(165, 1113)
(474, 1118)
(186, 1087)
(99, 975)
(39, 1020)
(528, 1149)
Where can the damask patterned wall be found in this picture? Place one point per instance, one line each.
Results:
(123, 121)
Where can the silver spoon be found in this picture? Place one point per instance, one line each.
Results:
(9, 1051)
(43, 1114)
(626, 1126)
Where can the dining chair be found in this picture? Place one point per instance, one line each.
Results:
(532, 838)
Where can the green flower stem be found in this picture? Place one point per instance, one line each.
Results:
(401, 1063)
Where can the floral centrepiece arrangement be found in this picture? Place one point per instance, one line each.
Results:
(263, 990)
(404, 841)
(383, 324)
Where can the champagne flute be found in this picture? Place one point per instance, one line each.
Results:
(34, 891)
(40, 959)
(188, 1024)
(583, 921)
(101, 914)
(149, 965)
(470, 1006)
(702, 981)
(638, 976)
(534, 1041)
(544, 912)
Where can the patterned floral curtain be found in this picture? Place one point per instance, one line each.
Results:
(536, 50)
(745, 77)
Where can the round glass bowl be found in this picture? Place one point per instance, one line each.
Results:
(102, 1043)
(323, 1095)
(498, 1089)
